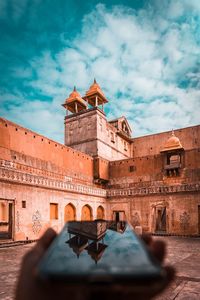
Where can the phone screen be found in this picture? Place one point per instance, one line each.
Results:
(96, 248)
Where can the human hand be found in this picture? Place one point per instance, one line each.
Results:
(29, 287)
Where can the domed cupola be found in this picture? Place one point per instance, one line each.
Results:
(173, 143)
(173, 155)
(74, 103)
(95, 96)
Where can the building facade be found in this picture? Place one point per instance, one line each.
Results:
(101, 172)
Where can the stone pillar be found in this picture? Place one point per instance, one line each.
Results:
(78, 212)
(76, 107)
(96, 101)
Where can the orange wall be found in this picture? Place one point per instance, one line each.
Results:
(101, 168)
(150, 168)
(151, 144)
(26, 142)
(143, 166)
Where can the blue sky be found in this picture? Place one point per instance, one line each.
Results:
(144, 54)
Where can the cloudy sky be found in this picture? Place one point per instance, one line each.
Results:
(144, 54)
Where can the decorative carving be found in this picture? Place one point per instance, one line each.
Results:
(37, 180)
(152, 190)
(36, 219)
(17, 166)
(136, 219)
(184, 221)
(8, 171)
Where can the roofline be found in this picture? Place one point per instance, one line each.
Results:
(168, 131)
(43, 136)
(102, 96)
(114, 120)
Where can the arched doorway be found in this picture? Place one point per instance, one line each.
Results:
(70, 213)
(86, 213)
(100, 212)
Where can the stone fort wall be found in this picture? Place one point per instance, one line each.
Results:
(151, 144)
(150, 168)
(36, 172)
(140, 187)
(26, 147)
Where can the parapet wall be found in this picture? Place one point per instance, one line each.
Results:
(24, 146)
(152, 144)
(150, 168)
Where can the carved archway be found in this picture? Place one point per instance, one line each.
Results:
(70, 213)
(100, 212)
(86, 213)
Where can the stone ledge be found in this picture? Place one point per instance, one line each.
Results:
(176, 235)
(5, 244)
(154, 190)
(33, 180)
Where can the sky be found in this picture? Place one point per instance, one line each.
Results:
(144, 54)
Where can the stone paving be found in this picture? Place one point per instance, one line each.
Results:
(183, 254)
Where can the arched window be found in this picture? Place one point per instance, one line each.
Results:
(86, 213)
(70, 213)
(100, 212)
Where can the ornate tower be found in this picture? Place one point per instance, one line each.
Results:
(87, 129)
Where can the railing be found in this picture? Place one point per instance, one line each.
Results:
(172, 166)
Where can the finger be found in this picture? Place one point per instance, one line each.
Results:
(44, 242)
(32, 257)
(46, 239)
(158, 249)
(147, 238)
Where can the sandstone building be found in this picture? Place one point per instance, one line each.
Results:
(100, 172)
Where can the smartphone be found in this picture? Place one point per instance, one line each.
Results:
(101, 253)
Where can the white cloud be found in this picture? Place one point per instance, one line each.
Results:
(40, 116)
(142, 56)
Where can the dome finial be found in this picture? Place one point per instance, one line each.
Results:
(74, 88)
(95, 80)
(172, 143)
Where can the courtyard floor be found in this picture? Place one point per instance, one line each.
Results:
(183, 254)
